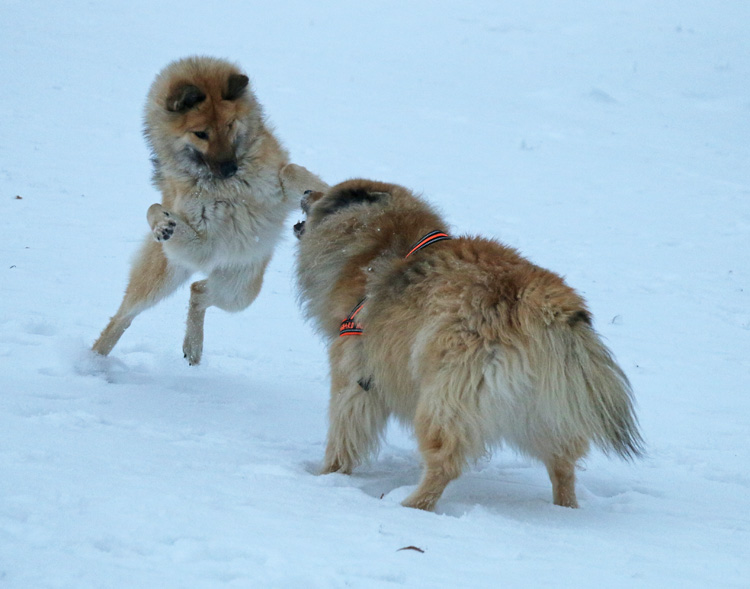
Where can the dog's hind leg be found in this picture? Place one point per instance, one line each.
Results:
(444, 454)
(561, 469)
(448, 425)
(192, 345)
(230, 289)
(152, 277)
(357, 413)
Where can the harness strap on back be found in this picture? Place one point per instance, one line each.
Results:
(428, 239)
(349, 326)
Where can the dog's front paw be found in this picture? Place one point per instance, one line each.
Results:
(164, 229)
(161, 221)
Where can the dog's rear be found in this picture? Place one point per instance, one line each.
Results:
(571, 393)
(500, 350)
(579, 392)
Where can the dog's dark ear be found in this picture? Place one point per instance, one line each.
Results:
(235, 86)
(184, 98)
(345, 198)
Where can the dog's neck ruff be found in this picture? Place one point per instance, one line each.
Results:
(349, 326)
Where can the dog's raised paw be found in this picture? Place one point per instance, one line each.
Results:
(162, 223)
(164, 228)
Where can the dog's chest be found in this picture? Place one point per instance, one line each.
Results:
(233, 223)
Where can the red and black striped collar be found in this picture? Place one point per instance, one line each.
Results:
(349, 326)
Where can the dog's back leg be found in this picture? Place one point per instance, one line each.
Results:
(449, 421)
(357, 413)
(192, 345)
(561, 469)
(152, 277)
(230, 289)
(444, 457)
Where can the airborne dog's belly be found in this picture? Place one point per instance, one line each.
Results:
(229, 232)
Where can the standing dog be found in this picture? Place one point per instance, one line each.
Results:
(217, 166)
(463, 338)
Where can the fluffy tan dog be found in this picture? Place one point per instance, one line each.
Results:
(463, 338)
(217, 166)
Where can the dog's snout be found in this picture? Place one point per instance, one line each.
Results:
(305, 202)
(228, 169)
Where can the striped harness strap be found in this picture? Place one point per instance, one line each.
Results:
(349, 326)
(429, 239)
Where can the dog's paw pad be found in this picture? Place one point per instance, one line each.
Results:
(163, 230)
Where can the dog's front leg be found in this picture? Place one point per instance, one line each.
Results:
(357, 413)
(296, 180)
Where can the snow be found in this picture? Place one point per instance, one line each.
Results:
(607, 141)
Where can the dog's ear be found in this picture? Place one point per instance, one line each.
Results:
(235, 86)
(347, 197)
(184, 97)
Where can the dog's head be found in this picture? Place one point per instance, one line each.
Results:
(319, 206)
(202, 115)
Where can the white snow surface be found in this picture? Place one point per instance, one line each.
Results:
(608, 141)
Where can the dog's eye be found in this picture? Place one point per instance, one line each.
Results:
(230, 124)
(201, 135)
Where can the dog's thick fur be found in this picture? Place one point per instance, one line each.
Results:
(217, 166)
(466, 340)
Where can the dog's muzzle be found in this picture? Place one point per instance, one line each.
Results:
(305, 202)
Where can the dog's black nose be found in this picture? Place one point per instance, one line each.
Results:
(227, 169)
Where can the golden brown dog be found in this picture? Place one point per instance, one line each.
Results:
(217, 166)
(463, 338)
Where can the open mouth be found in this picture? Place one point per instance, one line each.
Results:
(299, 229)
(299, 226)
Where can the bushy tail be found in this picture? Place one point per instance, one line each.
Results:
(585, 393)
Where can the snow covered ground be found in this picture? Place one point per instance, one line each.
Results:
(609, 141)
